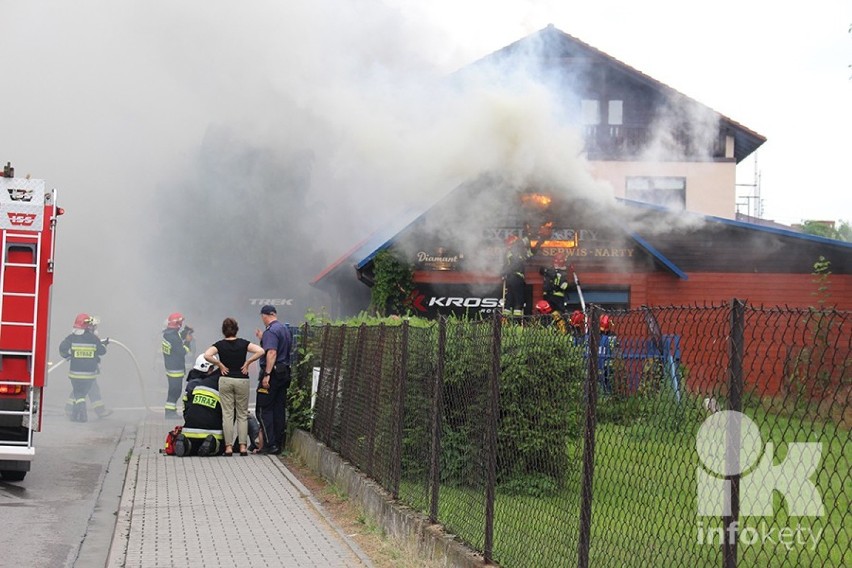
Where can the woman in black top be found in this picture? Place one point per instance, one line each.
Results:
(234, 382)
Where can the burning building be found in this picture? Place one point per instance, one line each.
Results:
(664, 232)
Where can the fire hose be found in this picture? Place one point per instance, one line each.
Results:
(135, 363)
(138, 373)
(579, 290)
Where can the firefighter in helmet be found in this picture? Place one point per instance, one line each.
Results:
(518, 251)
(83, 348)
(202, 429)
(177, 341)
(555, 283)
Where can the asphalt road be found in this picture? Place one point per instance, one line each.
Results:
(63, 513)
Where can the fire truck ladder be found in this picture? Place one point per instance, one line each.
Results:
(22, 448)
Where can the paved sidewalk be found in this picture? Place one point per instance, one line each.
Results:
(220, 511)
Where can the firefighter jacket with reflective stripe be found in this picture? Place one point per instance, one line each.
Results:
(175, 348)
(84, 352)
(203, 410)
(555, 282)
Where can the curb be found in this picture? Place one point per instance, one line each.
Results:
(410, 528)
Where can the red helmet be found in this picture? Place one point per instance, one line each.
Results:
(510, 240)
(578, 319)
(560, 261)
(543, 307)
(84, 321)
(606, 324)
(175, 321)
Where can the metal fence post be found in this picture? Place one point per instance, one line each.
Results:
(733, 435)
(341, 345)
(491, 448)
(374, 390)
(591, 401)
(401, 382)
(323, 353)
(437, 411)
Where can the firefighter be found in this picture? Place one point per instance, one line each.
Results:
(84, 350)
(518, 252)
(202, 428)
(177, 339)
(550, 316)
(555, 283)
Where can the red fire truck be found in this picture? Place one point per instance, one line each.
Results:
(28, 216)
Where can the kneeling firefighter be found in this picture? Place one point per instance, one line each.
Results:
(202, 429)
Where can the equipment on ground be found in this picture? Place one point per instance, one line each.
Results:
(28, 215)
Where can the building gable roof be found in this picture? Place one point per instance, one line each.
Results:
(550, 43)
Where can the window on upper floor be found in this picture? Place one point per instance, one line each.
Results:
(590, 111)
(665, 191)
(615, 114)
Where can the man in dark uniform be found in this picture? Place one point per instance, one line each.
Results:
(274, 379)
(518, 252)
(176, 344)
(84, 349)
(202, 413)
(555, 283)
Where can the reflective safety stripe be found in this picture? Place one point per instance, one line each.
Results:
(174, 374)
(167, 347)
(83, 375)
(98, 404)
(200, 433)
(170, 406)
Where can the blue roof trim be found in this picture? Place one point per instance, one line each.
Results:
(384, 238)
(741, 224)
(659, 256)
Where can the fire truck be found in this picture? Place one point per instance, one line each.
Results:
(28, 215)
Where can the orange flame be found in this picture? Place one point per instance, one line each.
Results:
(536, 200)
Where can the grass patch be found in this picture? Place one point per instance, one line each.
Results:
(645, 504)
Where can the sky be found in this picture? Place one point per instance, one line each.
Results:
(210, 154)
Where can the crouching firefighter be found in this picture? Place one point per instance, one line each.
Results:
(202, 428)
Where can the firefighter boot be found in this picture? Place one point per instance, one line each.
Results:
(181, 446)
(80, 414)
(103, 412)
(208, 447)
(69, 410)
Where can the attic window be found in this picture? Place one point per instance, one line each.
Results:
(615, 116)
(590, 111)
(665, 191)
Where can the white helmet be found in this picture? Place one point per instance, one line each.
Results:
(202, 364)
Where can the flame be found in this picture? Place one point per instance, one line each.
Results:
(536, 200)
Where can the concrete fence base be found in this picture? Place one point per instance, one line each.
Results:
(412, 530)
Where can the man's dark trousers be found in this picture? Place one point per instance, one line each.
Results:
(273, 416)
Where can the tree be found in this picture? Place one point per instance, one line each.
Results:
(842, 231)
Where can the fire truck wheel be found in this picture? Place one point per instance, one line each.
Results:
(10, 475)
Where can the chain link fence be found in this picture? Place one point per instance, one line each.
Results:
(541, 444)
